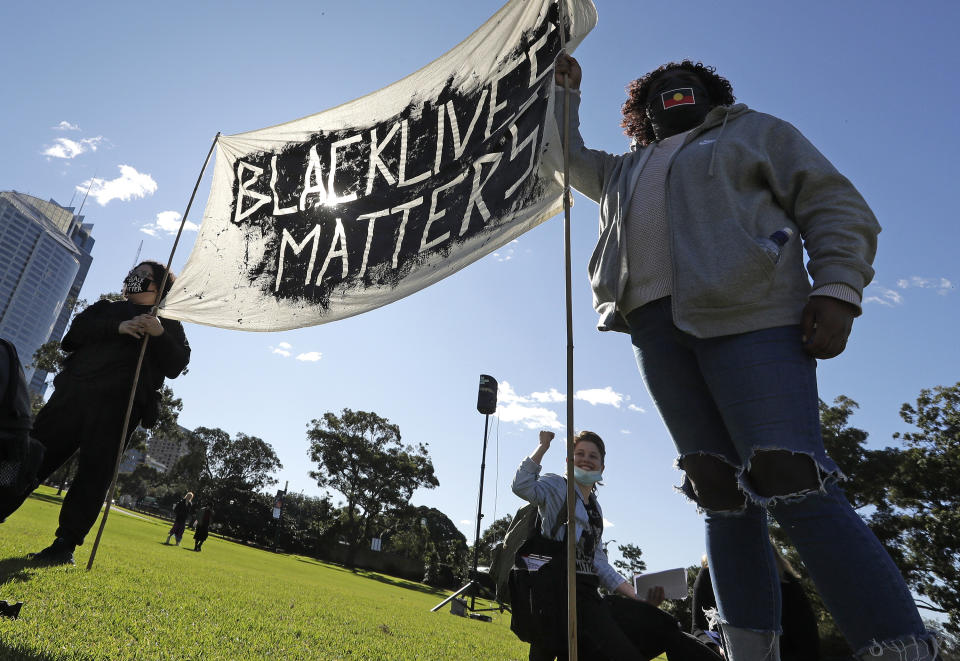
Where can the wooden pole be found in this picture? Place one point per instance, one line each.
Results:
(571, 494)
(136, 373)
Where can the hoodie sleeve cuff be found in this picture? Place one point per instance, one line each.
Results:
(840, 291)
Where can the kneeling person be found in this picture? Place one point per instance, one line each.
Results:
(620, 626)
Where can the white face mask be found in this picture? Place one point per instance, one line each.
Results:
(586, 478)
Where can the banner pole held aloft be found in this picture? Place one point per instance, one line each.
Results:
(136, 373)
(571, 494)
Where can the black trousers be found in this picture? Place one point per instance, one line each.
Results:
(615, 628)
(89, 422)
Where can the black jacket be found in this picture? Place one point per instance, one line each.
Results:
(182, 510)
(103, 360)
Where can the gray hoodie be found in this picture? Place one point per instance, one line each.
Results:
(739, 176)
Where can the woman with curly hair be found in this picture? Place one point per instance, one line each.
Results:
(703, 227)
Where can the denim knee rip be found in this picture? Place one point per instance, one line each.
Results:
(825, 477)
(910, 648)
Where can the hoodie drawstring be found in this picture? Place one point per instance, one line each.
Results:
(713, 152)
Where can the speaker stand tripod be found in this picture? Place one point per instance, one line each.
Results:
(472, 587)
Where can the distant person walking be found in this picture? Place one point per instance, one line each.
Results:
(203, 528)
(86, 412)
(180, 513)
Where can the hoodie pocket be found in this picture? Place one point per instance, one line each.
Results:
(726, 269)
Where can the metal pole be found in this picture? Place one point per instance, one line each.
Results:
(476, 538)
(571, 495)
(136, 373)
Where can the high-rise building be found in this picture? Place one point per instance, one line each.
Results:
(44, 258)
(168, 450)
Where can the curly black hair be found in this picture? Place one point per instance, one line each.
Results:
(635, 122)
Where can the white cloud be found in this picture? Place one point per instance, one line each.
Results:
(466, 522)
(625, 431)
(600, 396)
(506, 253)
(531, 417)
(942, 285)
(129, 184)
(526, 410)
(606, 523)
(65, 126)
(638, 409)
(285, 349)
(512, 407)
(66, 148)
(507, 395)
(169, 222)
(876, 293)
(551, 395)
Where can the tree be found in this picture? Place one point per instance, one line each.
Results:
(866, 470)
(923, 521)
(137, 482)
(229, 474)
(913, 493)
(242, 464)
(359, 455)
(631, 563)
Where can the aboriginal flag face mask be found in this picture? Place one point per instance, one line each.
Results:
(677, 103)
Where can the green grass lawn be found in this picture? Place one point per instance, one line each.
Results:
(145, 600)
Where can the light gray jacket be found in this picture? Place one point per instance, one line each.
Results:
(549, 493)
(739, 176)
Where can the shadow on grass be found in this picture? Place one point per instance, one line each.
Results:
(47, 498)
(403, 583)
(13, 570)
(8, 652)
(389, 580)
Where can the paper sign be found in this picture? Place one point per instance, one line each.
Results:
(673, 582)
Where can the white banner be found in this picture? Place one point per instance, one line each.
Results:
(341, 212)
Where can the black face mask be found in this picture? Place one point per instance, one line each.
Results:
(135, 283)
(673, 111)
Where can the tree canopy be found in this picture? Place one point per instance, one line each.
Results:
(360, 455)
(909, 496)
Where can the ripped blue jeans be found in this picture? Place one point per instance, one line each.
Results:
(735, 395)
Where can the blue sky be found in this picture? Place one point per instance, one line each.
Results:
(133, 93)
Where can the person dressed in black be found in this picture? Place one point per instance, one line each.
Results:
(20, 455)
(86, 412)
(799, 641)
(203, 528)
(618, 626)
(181, 511)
